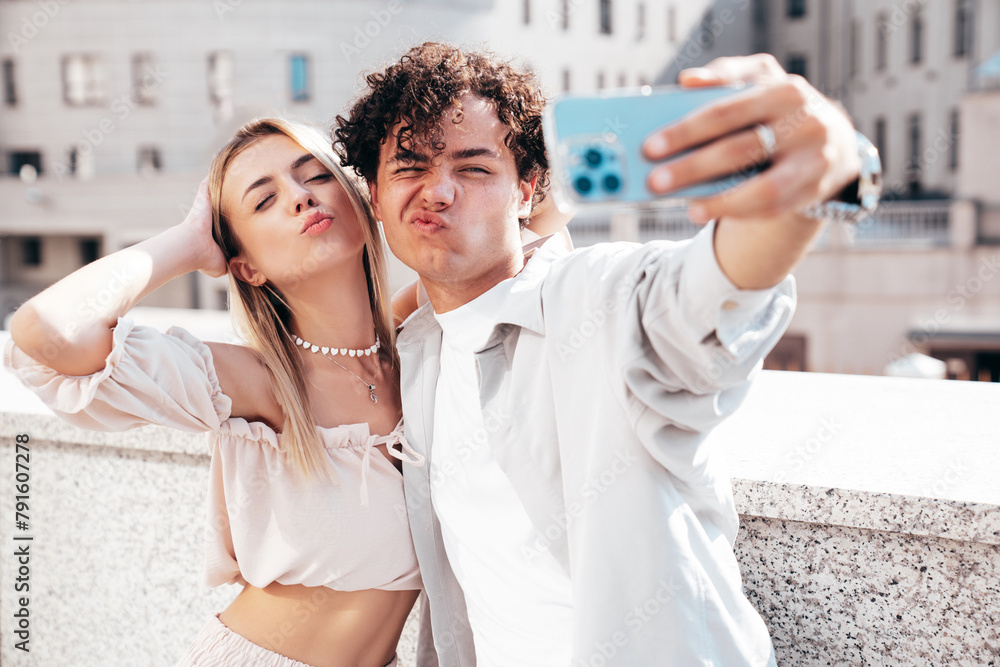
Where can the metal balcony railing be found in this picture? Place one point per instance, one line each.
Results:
(895, 224)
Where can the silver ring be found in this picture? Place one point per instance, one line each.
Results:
(768, 142)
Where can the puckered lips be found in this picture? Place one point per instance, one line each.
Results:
(316, 222)
(427, 222)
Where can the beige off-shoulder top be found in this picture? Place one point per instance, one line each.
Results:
(266, 523)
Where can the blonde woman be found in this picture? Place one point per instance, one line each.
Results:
(306, 499)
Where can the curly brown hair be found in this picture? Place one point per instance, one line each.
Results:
(418, 89)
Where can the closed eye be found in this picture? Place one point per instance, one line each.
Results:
(325, 176)
(263, 201)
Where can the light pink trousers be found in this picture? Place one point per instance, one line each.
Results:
(218, 646)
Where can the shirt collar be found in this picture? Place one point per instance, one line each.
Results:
(522, 307)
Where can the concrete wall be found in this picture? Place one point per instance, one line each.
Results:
(870, 527)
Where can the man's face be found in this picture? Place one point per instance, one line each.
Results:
(453, 216)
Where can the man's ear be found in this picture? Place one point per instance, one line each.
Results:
(373, 189)
(527, 196)
(244, 271)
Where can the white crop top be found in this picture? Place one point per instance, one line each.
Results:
(265, 522)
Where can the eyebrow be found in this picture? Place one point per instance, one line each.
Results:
(299, 161)
(409, 156)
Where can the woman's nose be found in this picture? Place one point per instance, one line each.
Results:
(303, 199)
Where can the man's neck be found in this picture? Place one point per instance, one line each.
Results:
(446, 296)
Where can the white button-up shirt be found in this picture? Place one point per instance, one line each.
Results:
(606, 371)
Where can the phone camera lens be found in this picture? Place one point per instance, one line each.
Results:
(612, 183)
(594, 157)
(583, 185)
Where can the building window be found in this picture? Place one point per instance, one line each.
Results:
(671, 24)
(220, 76)
(913, 151)
(789, 354)
(9, 83)
(90, 250)
(149, 160)
(855, 44)
(21, 159)
(622, 79)
(144, 79)
(640, 28)
(526, 12)
(798, 64)
(881, 42)
(564, 14)
(605, 6)
(963, 26)
(796, 9)
(953, 146)
(880, 140)
(300, 78)
(31, 251)
(83, 80)
(600, 81)
(916, 38)
(566, 80)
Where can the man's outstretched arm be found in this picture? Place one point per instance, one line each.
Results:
(760, 235)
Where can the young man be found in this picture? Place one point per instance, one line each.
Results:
(571, 512)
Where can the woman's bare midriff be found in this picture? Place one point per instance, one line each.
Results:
(320, 626)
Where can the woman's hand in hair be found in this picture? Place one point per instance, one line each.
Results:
(211, 261)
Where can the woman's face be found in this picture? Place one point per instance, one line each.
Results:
(292, 217)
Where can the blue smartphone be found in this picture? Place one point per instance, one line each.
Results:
(594, 145)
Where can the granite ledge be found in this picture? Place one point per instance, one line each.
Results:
(889, 512)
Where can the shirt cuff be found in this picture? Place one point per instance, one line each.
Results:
(715, 304)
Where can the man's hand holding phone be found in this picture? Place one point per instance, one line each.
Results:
(813, 156)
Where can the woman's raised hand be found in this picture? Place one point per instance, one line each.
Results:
(211, 261)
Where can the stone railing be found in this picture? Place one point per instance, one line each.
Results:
(897, 224)
(870, 527)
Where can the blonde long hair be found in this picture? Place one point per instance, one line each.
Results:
(261, 314)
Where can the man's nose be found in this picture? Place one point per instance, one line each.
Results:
(438, 190)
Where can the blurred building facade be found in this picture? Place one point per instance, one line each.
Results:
(118, 105)
(920, 78)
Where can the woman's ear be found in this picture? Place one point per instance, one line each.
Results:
(244, 271)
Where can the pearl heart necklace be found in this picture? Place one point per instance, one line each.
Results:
(363, 352)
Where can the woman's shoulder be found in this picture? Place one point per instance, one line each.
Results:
(244, 378)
